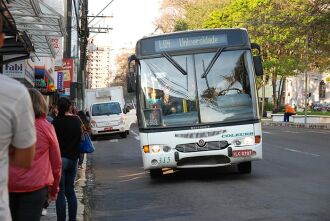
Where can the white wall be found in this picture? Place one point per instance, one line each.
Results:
(295, 88)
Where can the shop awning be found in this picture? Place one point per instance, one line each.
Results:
(40, 23)
(17, 45)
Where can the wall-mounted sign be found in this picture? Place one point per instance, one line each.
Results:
(20, 70)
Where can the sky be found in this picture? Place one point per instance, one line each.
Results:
(132, 19)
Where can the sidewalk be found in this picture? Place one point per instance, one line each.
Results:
(79, 187)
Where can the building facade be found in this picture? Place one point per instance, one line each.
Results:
(318, 89)
(98, 67)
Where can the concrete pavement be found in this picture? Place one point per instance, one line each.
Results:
(79, 187)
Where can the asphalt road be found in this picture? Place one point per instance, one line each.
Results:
(291, 183)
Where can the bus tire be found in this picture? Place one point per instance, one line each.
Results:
(123, 135)
(245, 167)
(156, 173)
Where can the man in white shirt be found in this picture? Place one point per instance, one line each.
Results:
(17, 134)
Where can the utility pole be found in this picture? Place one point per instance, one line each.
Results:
(306, 78)
(83, 35)
(263, 94)
(67, 39)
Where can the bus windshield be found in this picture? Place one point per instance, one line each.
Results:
(223, 93)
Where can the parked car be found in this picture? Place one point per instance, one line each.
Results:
(321, 107)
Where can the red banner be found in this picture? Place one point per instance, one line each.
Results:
(67, 70)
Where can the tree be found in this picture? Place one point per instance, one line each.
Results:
(122, 69)
(280, 27)
(172, 11)
(294, 35)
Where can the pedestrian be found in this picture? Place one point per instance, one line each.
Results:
(50, 117)
(52, 113)
(88, 129)
(88, 116)
(289, 111)
(28, 187)
(69, 134)
(17, 134)
(294, 106)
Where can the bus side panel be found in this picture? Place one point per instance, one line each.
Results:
(258, 131)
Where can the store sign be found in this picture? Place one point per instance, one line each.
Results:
(14, 70)
(58, 48)
(20, 70)
(68, 70)
(59, 80)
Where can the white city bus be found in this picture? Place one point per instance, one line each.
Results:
(197, 100)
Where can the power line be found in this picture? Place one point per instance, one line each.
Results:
(101, 11)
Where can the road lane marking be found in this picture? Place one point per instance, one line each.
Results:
(266, 132)
(302, 152)
(319, 132)
(296, 151)
(137, 137)
(114, 141)
(134, 174)
(135, 178)
(293, 132)
(133, 132)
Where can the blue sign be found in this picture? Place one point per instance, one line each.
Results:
(60, 80)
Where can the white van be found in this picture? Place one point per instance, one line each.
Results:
(107, 118)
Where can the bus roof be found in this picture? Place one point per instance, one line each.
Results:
(192, 40)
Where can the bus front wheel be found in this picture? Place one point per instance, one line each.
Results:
(156, 173)
(245, 167)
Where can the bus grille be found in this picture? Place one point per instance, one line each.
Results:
(204, 160)
(194, 147)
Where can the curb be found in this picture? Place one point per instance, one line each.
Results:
(295, 125)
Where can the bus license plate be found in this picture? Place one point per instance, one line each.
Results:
(107, 128)
(242, 153)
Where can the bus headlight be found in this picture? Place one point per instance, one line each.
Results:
(245, 141)
(156, 148)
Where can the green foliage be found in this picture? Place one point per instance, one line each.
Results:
(281, 28)
(181, 25)
(294, 35)
(269, 106)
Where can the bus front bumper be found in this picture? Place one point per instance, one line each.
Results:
(202, 159)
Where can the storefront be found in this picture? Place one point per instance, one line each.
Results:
(33, 41)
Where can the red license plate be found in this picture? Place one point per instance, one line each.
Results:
(242, 153)
(107, 128)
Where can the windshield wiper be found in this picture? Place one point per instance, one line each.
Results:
(214, 59)
(174, 63)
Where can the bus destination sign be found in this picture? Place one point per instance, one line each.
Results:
(193, 42)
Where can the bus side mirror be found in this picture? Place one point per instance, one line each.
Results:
(257, 60)
(258, 65)
(131, 76)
